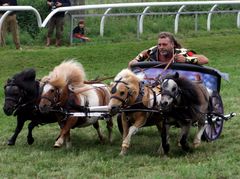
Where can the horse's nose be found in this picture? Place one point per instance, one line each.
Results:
(7, 111)
(114, 110)
(44, 108)
(164, 104)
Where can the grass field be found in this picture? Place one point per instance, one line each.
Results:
(88, 158)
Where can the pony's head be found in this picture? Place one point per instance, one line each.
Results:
(19, 90)
(55, 85)
(169, 92)
(124, 90)
(177, 89)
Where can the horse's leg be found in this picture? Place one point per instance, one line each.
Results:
(141, 119)
(125, 126)
(163, 129)
(70, 122)
(68, 140)
(20, 123)
(109, 127)
(30, 138)
(197, 139)
(183, 137)
(96, 126)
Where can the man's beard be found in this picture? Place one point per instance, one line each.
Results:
(166, 53)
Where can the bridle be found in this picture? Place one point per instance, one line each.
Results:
(56, 97)
(174, 96)
(114, 90)
(18, 102)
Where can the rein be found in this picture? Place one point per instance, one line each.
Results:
(165, 68)
(98, 80)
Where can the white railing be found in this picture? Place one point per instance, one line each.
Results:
(109, 7)
(147, 5)
(10, 9)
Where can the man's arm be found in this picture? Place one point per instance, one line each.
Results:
(139, 58)
(185, 56)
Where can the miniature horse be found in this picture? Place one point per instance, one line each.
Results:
(128, 92)
(183, 103)
(64, 88)
(21, 100)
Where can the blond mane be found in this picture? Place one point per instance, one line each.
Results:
(69, 72)
(127, 76)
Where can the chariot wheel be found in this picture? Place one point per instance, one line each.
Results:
(214, 129)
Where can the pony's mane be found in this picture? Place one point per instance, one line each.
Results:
(69, 72)
(127, 76)
(26, 80)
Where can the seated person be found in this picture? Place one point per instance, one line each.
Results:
(168, 48)
(79, 32)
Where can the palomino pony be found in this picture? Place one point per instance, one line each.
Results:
(183, 103)
(128, 92)
(64, 88)
(21, 100)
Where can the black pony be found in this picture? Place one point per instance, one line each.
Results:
(183, 103)
(21, 99)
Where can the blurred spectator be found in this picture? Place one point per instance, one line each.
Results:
(57, 21)
(10, 24)
(79, 32)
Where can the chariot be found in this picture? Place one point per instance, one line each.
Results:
(211, 78)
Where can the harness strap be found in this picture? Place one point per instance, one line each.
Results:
(141, 92)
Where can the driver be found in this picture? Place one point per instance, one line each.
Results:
(168, 48)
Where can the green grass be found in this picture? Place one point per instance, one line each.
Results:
(88, 158)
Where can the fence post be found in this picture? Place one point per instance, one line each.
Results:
(103, 20)
(196, 22)
(177, 18)
(238, 20)
(209, 17)
(141, 20)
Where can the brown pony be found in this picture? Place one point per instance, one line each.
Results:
(129, 93)
(64, 88)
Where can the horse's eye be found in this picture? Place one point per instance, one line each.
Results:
(174, 89)
(122, 93)
(52, 90)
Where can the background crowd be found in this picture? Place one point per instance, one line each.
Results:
(55, 25)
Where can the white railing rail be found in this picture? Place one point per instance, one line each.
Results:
(10, 9)
(109, 7)
(147, 5)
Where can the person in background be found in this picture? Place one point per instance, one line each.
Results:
(57, 21)
(168, 48)
(10, 24)
(79, 32)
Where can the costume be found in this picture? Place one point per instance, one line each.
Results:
(152, 54)
(10, 24)
(57, 21)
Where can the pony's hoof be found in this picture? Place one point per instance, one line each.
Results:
(30, 140)
(160, 151)
(56, 146)
(186, 148)
(122, 153)
(110, 141)
(68, 145)
(102, 140)
(196, 145)
(10, 142)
